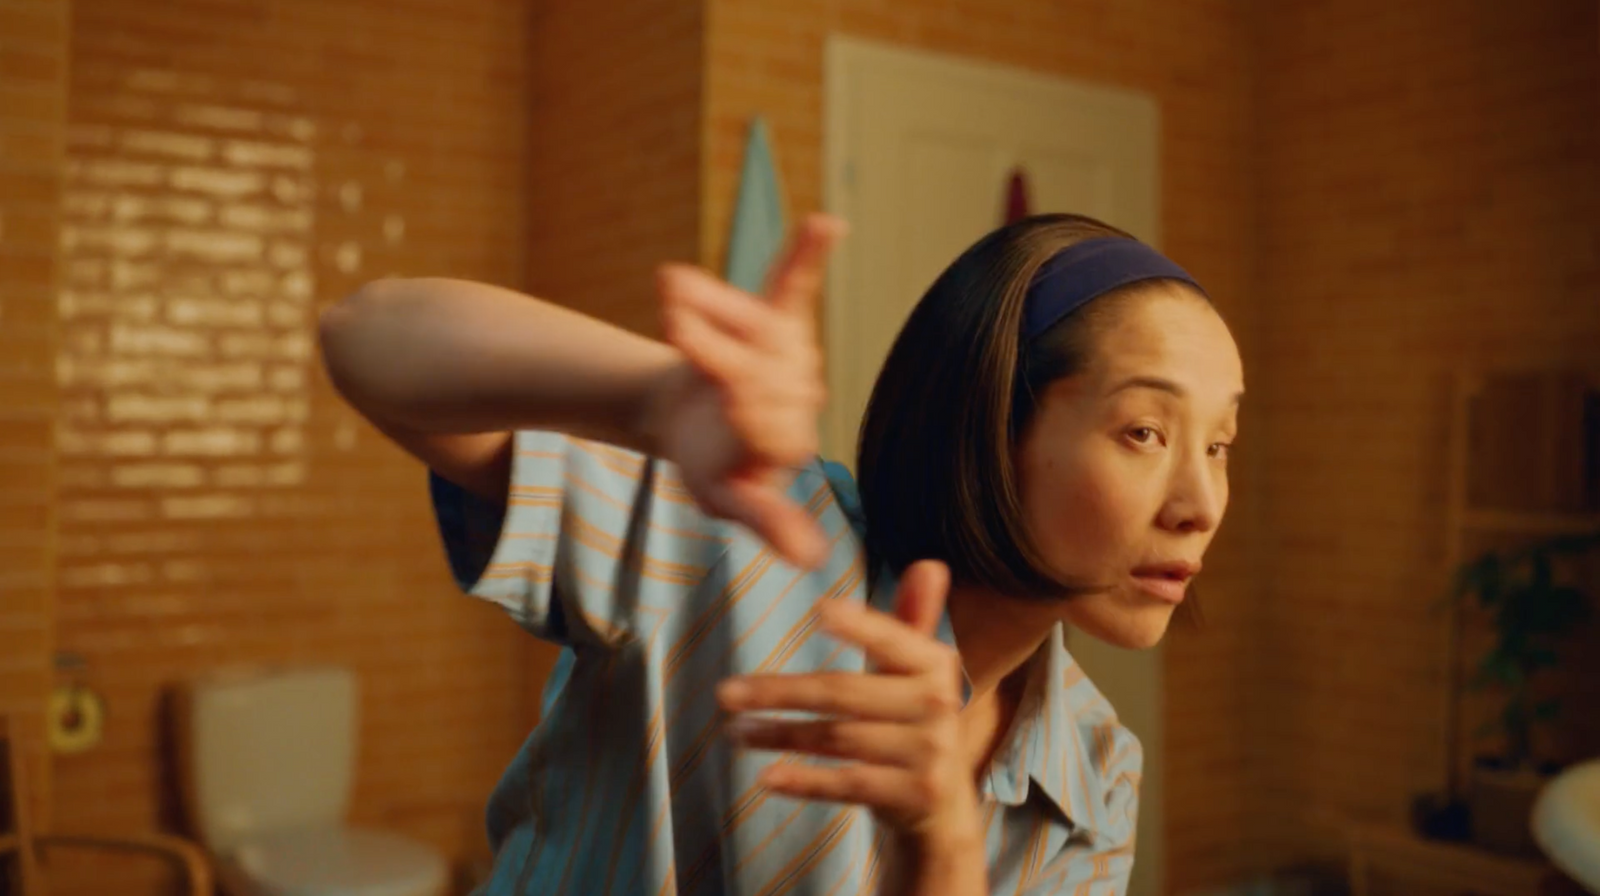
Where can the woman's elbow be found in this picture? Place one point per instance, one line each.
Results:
(347, 331)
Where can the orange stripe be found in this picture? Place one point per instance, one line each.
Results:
(603, 629)
(1102, 736)
(633, 467)
(630, 463)
(695, 752)
(539, 572)
(848, 870)
(669, 887)
(839, 587)
(752, 799)
(1065, 859)
(1066, 757)
(801, 634)
(776, 832)
(1072, 675)
(596, 539)
(1044, 759)
(1000, 851)
(795, 872)
(529, 536)
(517, 500)
(739, 586)
(1102, 868)
(607, 675)
(875, 868)
(1083, 778)
(755, 796)
(546, 496)
(653, 737)
(988, 816)
(1035, 855)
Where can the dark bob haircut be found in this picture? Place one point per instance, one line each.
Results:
(936, 460)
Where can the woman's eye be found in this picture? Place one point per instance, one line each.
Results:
(1144, 435)
(1220, 450)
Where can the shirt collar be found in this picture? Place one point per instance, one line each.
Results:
(1060, 741)
(1065, 738)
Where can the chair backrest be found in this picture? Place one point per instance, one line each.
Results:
(19, 876)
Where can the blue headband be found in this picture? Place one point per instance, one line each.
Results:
(1088, 270)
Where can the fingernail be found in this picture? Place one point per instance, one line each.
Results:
(733, 691)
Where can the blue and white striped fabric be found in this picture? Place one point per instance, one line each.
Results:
(628, 786)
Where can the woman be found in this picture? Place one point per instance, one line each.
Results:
(760, 654)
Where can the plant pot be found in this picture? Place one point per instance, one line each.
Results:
(1502, 801)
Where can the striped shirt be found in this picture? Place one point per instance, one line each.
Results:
(628, 786)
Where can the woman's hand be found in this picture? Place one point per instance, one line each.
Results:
(742, 411)
(899, 721)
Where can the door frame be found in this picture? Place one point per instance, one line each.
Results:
(847, 60)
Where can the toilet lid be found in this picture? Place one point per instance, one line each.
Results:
(339, 862)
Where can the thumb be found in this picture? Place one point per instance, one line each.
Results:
(919, 602)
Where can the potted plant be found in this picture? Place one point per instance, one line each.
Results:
(1531, 609)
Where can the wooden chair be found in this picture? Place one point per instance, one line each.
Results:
(22, 846)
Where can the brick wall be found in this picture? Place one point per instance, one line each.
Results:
(1428, 196)
(33, 110)
(1195, 58)
(615, 158)
(230, 168)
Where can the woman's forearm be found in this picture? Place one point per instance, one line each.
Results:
(450, 356)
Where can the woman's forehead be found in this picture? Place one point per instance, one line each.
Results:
(1172, 336)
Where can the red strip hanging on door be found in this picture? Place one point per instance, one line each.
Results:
(1017, 196)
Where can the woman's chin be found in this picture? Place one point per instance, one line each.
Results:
(1120, 625)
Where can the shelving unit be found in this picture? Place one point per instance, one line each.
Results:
(1465, 522)
(1387, 853)
(1396, 855)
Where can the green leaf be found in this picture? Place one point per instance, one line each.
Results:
(1497, 668)
(1541, 571)
(1539, 658)
(1552, 611)
(1481, 579)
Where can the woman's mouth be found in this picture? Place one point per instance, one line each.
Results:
(1166, 582)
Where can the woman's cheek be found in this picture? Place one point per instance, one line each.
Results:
(1074, 519)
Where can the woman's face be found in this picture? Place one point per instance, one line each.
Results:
(1124, 470)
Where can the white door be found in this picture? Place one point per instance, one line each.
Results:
(919, 149)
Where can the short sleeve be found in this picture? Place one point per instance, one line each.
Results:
(590, 544)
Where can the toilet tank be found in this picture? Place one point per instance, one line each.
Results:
(266, 751)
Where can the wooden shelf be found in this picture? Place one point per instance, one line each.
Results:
(1531, 522)
(1395, 852)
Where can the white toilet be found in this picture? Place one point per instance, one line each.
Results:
(267, 760)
